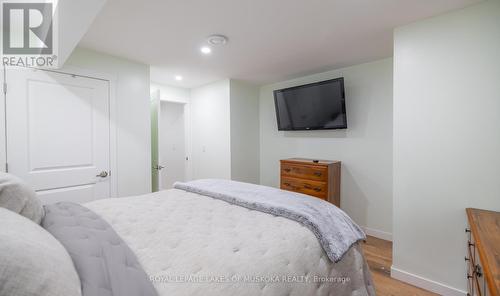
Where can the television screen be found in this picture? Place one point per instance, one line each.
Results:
(312, 106)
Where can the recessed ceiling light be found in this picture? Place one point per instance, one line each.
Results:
(206, 50)
(178, 77)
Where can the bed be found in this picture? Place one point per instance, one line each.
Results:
(190, 242)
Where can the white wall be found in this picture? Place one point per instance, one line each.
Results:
(223, 128)
(244, 101)
(133, 155)
(171, 93)
(365, 148)
(75, 18)
(210, 131)
(446, 140)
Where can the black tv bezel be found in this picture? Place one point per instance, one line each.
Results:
(344, 126)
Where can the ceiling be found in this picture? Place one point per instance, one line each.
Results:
(269, 40)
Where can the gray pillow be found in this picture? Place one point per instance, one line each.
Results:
(17, 196)
(32, 261)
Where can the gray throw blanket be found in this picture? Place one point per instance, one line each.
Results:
(335, 231)
(104, 262)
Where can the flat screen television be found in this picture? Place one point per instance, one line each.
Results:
(315, 106)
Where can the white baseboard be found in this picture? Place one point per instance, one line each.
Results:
(378, 233)
(424, 283)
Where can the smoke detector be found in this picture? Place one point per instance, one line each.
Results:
(217, 40)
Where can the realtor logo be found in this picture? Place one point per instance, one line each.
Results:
(28, 33)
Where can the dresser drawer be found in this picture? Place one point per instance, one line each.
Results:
(304, 172)
(318, 178)
(482, 288)
(472, 282)
(314, 188)
(478, 284)
(483, 241)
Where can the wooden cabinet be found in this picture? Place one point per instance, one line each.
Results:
(318, 178)
(483, 249)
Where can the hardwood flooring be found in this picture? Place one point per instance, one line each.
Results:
(378, 253)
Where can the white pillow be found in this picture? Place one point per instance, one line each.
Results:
(32, 261)
(17, 196)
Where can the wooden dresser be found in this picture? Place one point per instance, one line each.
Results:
(319, 178)
(483, 252)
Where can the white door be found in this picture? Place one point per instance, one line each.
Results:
(58, 134)
(172, 142)
(156, 166)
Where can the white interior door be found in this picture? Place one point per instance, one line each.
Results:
(172, 142)
(58, 134)
(155, 127)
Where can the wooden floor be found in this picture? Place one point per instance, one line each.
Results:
(378, 253)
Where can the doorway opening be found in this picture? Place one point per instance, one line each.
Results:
(169, 143)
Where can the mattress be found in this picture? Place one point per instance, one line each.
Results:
(191, 244)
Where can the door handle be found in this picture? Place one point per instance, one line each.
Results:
(102, 174)
(159, 167)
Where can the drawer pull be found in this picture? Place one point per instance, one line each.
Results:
(478, 271)
(307, 186)
(317, 174)
(287, 170)
(317, 189)
(287, 184)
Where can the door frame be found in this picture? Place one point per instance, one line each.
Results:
(187, 136)
(75, 71)
(3, 125)
(187, 126)
(155, 151)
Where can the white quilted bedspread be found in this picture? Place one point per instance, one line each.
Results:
(190, 244)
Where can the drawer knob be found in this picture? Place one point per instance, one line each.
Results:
(317, 189)
(318, 174)
(287, 170)
(478, 271)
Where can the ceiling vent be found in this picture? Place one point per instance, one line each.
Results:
(217, 40)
